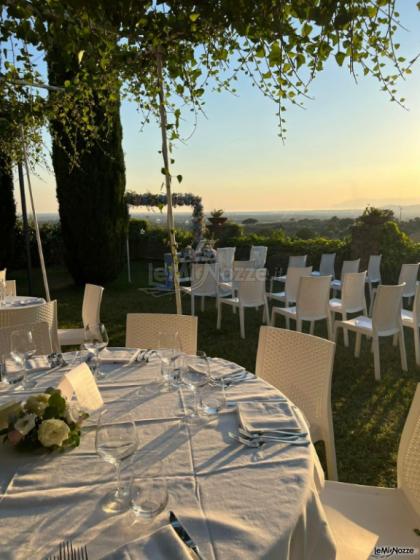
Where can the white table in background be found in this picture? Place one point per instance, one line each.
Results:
(233, 506)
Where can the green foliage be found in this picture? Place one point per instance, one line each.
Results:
(7, 213)
(397, 249)
(52, 244)
(56, 406)
(151, 242)
(372, 215)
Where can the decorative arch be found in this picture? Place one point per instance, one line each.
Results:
(151, 200)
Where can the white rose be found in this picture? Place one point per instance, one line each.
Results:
(37, 403)
(73, 412)
(53, 432)
(25, 424)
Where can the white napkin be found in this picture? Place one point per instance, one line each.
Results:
(164, 544)
(220, 368)
(81, 382)
(266, 416)
(117, 355)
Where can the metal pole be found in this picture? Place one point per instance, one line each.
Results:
(128, 259)
(25, 227)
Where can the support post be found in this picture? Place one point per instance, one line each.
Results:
(25, 228)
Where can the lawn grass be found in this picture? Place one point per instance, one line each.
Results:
(368, 415)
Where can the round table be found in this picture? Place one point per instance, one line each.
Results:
(21, 302)
(232, 505)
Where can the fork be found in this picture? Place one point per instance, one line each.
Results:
(66, 551)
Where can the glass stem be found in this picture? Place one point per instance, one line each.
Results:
(118, 473)
(195, 402)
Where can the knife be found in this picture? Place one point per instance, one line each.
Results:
(183, 535)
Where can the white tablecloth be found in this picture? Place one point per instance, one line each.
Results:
(233, 505)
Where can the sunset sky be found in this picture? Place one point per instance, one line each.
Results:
(348, 148)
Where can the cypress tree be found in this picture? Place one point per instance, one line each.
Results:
(7, 212)
(93, 213)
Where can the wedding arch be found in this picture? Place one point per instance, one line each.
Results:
(151, 200)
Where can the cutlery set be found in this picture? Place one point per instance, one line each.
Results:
(66, 551)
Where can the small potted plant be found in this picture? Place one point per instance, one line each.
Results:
(217, 218)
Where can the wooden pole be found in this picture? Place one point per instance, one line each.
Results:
(25, 227)
(166, 162)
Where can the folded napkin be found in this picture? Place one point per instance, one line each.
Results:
(221, 369)
(117, 355)
(266, 417)
(161, 545)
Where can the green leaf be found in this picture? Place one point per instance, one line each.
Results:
(194, 17)
(80, 56)
(67, 83)
(306, 29)
(339, 57)
(179, 177)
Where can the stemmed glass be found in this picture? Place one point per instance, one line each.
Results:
(195, 374)
(95, 340)
(2, 292)
(22, 348)
(116, 440)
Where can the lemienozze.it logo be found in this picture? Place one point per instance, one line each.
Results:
(387, 551)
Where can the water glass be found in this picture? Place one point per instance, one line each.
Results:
(22, 349)
(212, 398)
(116, 440)
(149, 491)
(195, 374)
(95, 340)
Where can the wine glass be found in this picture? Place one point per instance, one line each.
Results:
(2, 292)
(116, 440)
(194, 375)
(22, 348)
(95, 340)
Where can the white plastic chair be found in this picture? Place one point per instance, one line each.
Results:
(10, 287)
(362, 517)
(385, 321)
(293, 276)
(373, 273)
(408, 275)
(295, 261)
(301, 365)
(326, 266)
(251, 293)
(258, 254)
(40, 333)
(411, 319)
(347, 267)
(239, 272)
(352, 300)
(204, 283)
(46, 312)
(224, 258)
(312, 304)
(91, 315)
(142, 330)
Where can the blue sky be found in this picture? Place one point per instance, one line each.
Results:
(348, 148)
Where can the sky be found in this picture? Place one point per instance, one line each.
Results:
(349, 147)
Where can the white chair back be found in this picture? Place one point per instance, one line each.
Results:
(386, 314)
(10, 287)
(204, 279)
(224, 258)
(313, 297)
(326, 266)
(142, 330)
(3, 275)
(416, 306)
(350, 266)
(297, 261)
(258, 254)
(408, 462)
(293, 276)
(45, 312)
(374, 268)
(240, 269)
(353, 291)
(408, 274)
(40, 333)
(251, 289)
(91, 308)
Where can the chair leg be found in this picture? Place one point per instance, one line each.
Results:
(192, 304)
(345, 331)
(331, 458)
(266, 313)
(287, 323)
(242, 321)
(357, 345)
(298, 325)
(219, 314)
(376, 358)
(403, 353)
(311, 327)
(395, 340)
(202, 303)
(273, 318)
(417, 345)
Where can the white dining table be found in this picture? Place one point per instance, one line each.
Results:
(20, 302)
(234, 503)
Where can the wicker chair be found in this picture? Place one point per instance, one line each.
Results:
(34, 314)
(91, 310)
(40, 332)
(362, 517)
(142, 330)
(10, 287)
(300, 365)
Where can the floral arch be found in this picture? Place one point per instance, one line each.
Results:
(151, 200)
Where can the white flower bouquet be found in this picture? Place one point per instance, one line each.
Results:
(43, 421)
